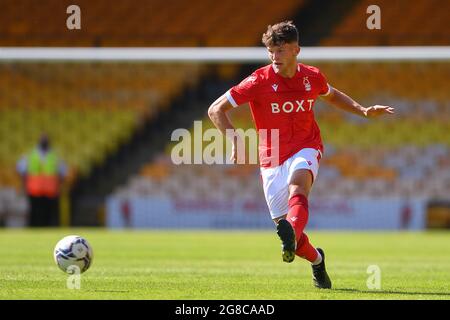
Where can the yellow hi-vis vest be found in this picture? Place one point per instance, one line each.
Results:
(42, 175)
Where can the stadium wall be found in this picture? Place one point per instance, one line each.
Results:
(333, 214)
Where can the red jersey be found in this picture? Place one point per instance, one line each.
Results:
(285, 104)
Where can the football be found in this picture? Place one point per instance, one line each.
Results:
(73, 254)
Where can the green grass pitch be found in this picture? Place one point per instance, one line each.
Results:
(224, 265)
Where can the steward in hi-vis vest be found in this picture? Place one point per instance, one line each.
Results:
(42, 172)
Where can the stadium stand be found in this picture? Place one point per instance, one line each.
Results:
(406, 156)
(402, 24)
(72, 100)
(156, 23)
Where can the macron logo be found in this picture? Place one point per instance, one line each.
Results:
(293, 218)
(275, 87)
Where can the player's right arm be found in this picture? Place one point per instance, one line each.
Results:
(242, 93)
(217, 112)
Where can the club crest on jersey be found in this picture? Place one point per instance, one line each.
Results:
(275, 87)
(306, 84)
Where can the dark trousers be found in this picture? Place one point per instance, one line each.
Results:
(44, 212)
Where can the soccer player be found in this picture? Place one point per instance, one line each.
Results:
(281, 97)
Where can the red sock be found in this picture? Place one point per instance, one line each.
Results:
(298, 214)
(305, 250)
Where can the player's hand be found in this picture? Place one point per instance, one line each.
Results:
(377, 110)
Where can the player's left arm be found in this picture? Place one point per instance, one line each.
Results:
(342, 101)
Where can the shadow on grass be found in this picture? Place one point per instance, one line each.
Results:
(444, 294)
